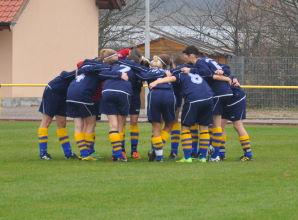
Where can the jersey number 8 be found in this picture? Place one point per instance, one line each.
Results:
(195, 78)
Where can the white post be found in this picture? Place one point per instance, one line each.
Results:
(147, 41)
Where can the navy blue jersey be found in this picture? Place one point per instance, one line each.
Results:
(60, 84)
(206, 67)
(146, 74)
(84, 86)
(193, 87)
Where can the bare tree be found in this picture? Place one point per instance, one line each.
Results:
(118, 28)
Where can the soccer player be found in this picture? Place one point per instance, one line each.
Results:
(161, 107)
(80, 104)
(235, 111)
(222, 92)
(54, 105)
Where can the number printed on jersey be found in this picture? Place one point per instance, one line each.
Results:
(124, 69)
(79, 78)
(195, 78)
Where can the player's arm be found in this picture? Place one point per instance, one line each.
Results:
(152, 73)
(167, 79)
(222, 78)
(214, 66)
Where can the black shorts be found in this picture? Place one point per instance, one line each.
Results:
(115, 103)
(80, 110)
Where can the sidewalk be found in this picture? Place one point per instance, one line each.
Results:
(32, 114)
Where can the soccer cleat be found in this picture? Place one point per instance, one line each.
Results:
(70, 157)
(160, 160)
(151, 155)
(120, 159)
(172, 156)
(222, 158)
(245, 158)
(135, 155)
(202, 160)
(183, 160)
(124, 155)
(210, 152)
(194, 155)
(89, 158)
(216, 159)
(96, 155)
(46, 156)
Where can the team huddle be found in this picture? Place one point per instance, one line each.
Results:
(111, 84)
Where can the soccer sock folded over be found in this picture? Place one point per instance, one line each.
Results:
(204, 143)
(186, 143)
(157, 145)
(194, 135)
(116, 142)
(81, 144)
(245, 143)
(134, 137)
(64, 141)
(216, 140)
(43, 140)
(175, 138)
(165, 136)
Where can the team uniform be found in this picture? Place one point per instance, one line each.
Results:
(197, 109)
(54, 103)
(222, 94)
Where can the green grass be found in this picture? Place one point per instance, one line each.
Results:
(266, 188)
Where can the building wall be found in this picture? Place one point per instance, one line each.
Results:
(5, 62)
(51, 36)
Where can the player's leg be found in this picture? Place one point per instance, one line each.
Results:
(186, 144)
(43, 137)
(63, 137)
(244, 140)
(175, 136)
(89, 130)
(157, 143)
(134, 136)
(194, 131)
(121, 129)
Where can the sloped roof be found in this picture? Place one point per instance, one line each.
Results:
(9, 11)
(204, 47)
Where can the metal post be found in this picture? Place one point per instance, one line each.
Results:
(147, 41)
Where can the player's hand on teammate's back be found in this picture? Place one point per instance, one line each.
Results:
(185, 70)
(124, 76)
(235, 82)
(153, 84)
(168, 73)
(219, 72)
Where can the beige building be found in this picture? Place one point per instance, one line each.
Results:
(40, 38)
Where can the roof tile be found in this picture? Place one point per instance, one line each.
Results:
(9, 9)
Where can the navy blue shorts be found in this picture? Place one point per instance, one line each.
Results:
(219, 104)
(235, 110)
(161, 104)
(178, 101)
(80, 110)
(135, 105)
(115, 103)
(198, 112)
(52, 104)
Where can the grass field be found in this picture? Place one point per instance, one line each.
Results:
(266, 188)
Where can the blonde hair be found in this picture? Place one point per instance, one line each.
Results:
(156, 63)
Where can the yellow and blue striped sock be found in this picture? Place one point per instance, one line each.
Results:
(64, 141)
(222, 148)
(165, 136)
(246, 146)
(195, 136)
(43, 140)
(204, 143)
(157, 146)
(175, 138)
(116, 142)
(89, 140)
(134, 137)
(81, 144)
(210, 129)
(216, 140)
(122, 137)
(186, 143)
